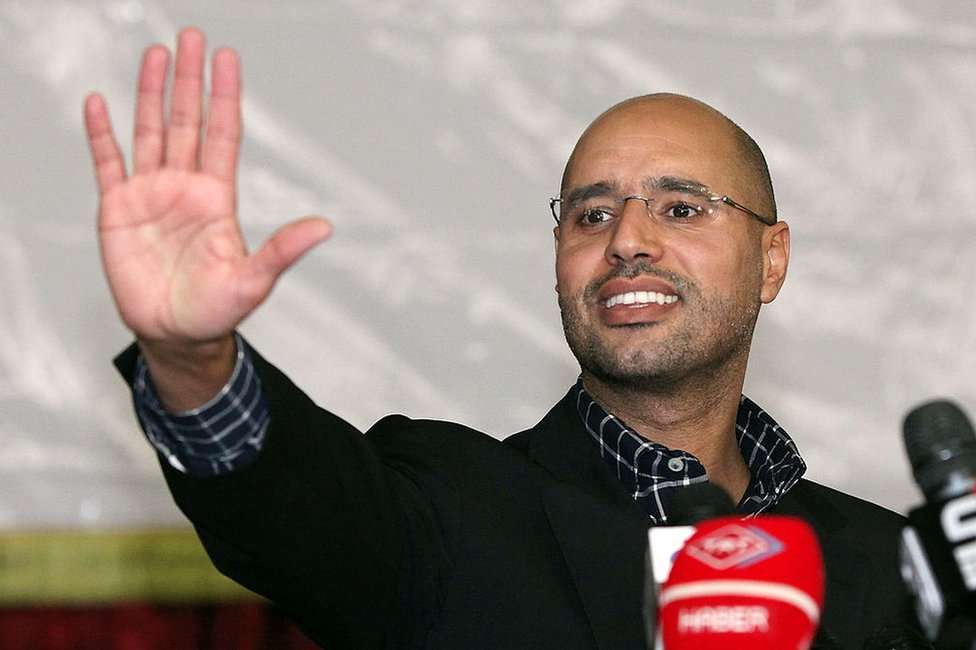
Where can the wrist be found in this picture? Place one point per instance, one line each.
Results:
(188, 353)
(188, 375)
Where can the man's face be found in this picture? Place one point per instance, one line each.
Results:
(642, 302)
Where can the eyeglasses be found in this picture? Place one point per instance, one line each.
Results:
(678, 208)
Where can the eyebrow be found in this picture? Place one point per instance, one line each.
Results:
(582, 193)
(650, 184)
(678, 184)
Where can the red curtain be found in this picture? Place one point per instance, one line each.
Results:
(247, 626)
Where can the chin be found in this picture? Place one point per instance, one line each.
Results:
(639, 367)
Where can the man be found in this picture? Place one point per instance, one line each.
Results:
(428, 534)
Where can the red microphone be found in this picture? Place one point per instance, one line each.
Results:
(753, 583)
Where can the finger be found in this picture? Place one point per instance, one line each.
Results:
(282, 250)
(148, 136)
(223, 139)
(183, 134)
(106, 155)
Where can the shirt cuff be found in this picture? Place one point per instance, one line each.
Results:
(221, 436)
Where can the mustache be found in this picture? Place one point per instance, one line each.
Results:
(681, 284)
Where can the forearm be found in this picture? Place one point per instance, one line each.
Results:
(313, 522)
(300, 506)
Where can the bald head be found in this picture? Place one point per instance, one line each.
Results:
(666, 115)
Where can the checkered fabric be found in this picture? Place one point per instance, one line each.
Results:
(224, 434)
(652, 473)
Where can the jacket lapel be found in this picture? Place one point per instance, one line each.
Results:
(601, 531)
(844, 562)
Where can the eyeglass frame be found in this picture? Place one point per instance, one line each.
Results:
(714, 198)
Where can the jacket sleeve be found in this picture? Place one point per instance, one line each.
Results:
(340, 530)
(220, 436)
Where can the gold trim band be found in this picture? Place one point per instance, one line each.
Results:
(166, 566)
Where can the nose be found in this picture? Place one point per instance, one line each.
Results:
(635, 235)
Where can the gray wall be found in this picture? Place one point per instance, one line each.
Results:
(432, 134)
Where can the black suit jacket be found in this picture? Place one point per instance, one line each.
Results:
(430, 534)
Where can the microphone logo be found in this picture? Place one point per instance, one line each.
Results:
(744, 584)
(734, 545)
(959, 524)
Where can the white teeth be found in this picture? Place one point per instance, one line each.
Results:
(640, 298)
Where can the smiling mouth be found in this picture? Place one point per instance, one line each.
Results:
(640, 299)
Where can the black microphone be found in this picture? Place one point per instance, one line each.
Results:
(938, 550)
(700, 501)
(689, 506)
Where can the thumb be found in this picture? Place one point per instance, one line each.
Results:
(288, 243)
(283, 249)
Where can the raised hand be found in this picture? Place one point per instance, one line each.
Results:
(171, 244)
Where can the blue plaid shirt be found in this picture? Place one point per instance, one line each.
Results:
(224, 434)
(651, 472)
(227, 432)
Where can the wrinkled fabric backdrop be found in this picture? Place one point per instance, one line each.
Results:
(432, 134)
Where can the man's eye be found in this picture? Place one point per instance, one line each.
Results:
(594, 216)
(683, 211)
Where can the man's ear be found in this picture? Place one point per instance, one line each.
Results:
(776, 259)
(555, 246)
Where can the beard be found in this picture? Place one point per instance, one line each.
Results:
(707, 334)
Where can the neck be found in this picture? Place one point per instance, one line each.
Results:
(696, 415)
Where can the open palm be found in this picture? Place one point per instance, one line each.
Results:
(171, 244)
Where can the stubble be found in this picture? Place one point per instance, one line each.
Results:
(707, 334)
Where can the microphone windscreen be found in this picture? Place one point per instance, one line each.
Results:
(754, 583)
(940, 441)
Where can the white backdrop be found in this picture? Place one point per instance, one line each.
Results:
(432, 133)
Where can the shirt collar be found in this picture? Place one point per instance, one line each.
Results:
(651, 472)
